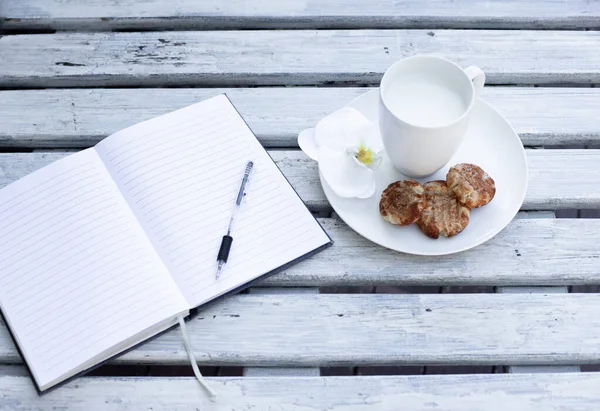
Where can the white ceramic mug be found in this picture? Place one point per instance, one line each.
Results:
(424, 111)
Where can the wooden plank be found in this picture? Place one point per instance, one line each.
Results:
(527, 252)
(381, 329)
(288, 57)
(492, 392)
(282, 371)
(512, 369)
(81, 117)
(520, 369)
(557, 178)
(538, 368)
(214, 14)
(573, 165)
(480, 289)
(516, 369)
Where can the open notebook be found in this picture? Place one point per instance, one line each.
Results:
(105, 248)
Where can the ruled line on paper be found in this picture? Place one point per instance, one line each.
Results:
(33, 233)
(247, 252)
(170, 161)
(300, 235)
(34, 327)
(29, 308)
(251, 221)
(72, 260)
(225, 190)
(234, 268)
(57, 247)
(163, 156)
(48, 217)
(61, 196)
(43, 183)
(150, 314)
(181, 184)
(224, 175)
(212, 246)
(204, 211)
(180, 217)
(48, 252)
(182, 168)
(208, 182)
(153, 133)
(171, 141)
(169, 137)
(96, 327)
(29, 201)
(90, 246)
(164, 146)
(183, 234)
(289, 246)
(42, 207)
(109, 315)
(209, 279)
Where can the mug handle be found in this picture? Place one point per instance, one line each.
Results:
(477, 76)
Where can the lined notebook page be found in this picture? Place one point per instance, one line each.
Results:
(181, 172)
(77, 273)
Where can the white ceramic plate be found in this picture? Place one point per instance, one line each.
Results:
(491, 143)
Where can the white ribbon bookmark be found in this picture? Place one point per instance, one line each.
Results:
(190, 352)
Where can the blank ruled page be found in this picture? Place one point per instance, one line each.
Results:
(78, 275)
(180, 174)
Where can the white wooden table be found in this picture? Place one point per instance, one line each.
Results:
(74, 71)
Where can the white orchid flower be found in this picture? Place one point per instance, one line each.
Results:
(347, 146)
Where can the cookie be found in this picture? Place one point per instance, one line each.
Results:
(473, 186)
(402, 202)
(443, 213)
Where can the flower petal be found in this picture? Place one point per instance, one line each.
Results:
(373, 141)
(343, 128)
(369, 191)
(344, 177)
(306, 141)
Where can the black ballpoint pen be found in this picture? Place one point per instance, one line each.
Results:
(227, 239)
